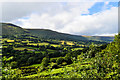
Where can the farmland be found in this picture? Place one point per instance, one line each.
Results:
(25, 55)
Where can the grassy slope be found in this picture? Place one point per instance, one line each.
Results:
(11, 29)
(49, 34)
(101, 38)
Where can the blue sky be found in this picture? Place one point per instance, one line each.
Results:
(79, 18)
(101, 6)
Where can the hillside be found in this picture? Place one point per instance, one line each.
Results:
(13, 30)
(27, 55)
(100, 38)
(49, 34)
(30, 59)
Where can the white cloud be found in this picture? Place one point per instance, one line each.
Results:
(107, 34)
(56, 0)
(62, 17)
(70, 22)
(104, 22)
(14, 10)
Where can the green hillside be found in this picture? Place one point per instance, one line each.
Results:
(49, 34)
(100, 38)
(31, 53)
(13, 30)
(43, 60)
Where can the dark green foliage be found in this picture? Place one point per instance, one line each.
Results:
(59, 60)
(68, 58)
(31, 60)
(45, 61)
(12, 31)
(97, 60)
(54, 66)
(43, 33)
(14, 65)
(53, 60)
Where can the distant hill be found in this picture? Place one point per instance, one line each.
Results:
(49, 34)
(12, 30)
(100, 38)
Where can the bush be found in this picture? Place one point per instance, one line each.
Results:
(68, 58)
(54, 65)
(53, 60)
(31, 60)
(14, 64)
(45, 61)
(59, 60)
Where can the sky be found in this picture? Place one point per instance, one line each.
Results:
(78, 18)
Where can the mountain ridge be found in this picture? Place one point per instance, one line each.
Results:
(12, 29)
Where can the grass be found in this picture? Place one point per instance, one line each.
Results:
(67, 42)
(76, 49)
(70, 43)
(43, 52)
(35, 44)
(36, 65)
(62, 42)
(51, 72)
(21, 48)
(37, 51)
(8, 59)
(27, 41)
(12, 27)
(10, 40)
(43, 43)
(54, 45)
(31, 47)
(0, 77)
(4, 46)
(50, 50)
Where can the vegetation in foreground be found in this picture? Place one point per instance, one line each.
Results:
(32, 57)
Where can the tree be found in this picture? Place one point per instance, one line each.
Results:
(14, 64)
(114, 47)
(59, 60)
(68, 58)
(92, 46)
(45, 61)
(65, 43)
(52, 60)
(31, 60)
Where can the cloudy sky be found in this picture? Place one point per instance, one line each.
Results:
(79, 18)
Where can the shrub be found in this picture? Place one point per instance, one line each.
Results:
(59, 60)
(68, 58)
(45, 61)
(53, 60)
(14, 64)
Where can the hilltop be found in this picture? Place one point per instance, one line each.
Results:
(14, 30)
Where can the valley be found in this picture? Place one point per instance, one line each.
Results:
(42, 53)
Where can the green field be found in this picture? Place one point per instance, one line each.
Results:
(35, 44)
(76, 49)
(21, 48)
(43, 53)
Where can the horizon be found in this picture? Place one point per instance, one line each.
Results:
(76, 18)
(61, 32)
